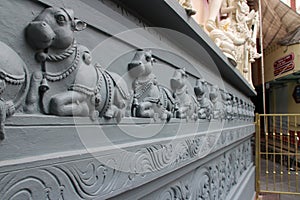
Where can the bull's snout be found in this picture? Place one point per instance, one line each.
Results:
(134, 64)
(39, 35)
(199, 91)
(136, 69)
(176, 83)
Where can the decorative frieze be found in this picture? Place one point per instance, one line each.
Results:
(119, 169)
(210, 181)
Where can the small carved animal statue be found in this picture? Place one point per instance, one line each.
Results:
(202, 94)
(227, 102)
(13, 84)
(218, 108)
(150, 99)
(235, 112)
(90, 90)
(186, 105)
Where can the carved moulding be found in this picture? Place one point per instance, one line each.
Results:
(115, 172)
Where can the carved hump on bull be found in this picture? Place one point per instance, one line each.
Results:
(120, 84)
(11, 66)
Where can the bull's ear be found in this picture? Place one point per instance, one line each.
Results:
(184, 73)
(78, 25)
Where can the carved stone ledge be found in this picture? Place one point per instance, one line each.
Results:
(39, 119)
(108, 171)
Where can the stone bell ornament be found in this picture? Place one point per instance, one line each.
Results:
(44, 85)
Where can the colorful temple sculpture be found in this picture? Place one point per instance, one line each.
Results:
(234, 28)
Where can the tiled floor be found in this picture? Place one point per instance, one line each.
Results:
(279, 178)
(269, 197)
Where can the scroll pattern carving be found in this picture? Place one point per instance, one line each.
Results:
(89, 178)
(213, 181)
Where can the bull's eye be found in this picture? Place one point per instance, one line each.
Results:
(60, 19)
(148, 58)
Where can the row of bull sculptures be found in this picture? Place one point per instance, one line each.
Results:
(68, 83)
(207, 101)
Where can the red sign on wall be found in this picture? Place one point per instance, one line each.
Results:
(284, 64)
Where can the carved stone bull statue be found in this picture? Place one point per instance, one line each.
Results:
(202, 94)
(227, 101)
(79, 88)
(186, 105)
(150, 100)
(218, 109)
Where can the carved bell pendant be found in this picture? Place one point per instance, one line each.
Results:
(44, 85)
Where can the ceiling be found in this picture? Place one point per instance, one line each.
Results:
(278, 20)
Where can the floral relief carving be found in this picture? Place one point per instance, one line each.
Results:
(212, 181)
(90, 178)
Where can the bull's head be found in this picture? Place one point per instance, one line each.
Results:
(53, 27)
(178, 80)
(141, 64)
(214, 93)
(201, 87)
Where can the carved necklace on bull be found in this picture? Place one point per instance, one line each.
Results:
(43, 57)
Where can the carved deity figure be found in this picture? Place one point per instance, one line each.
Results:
(187, 5)
(78, 87)
(247, 27)
(150, 99)
(186, 105)
(234, 27)
(202, 94)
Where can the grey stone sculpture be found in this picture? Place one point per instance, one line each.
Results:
(150, 100)
(186, 105)
(235, 112)
(218, 108)
(227, 103)
(92, 91)
(202, 94)
(14, 76)
(240, 109)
